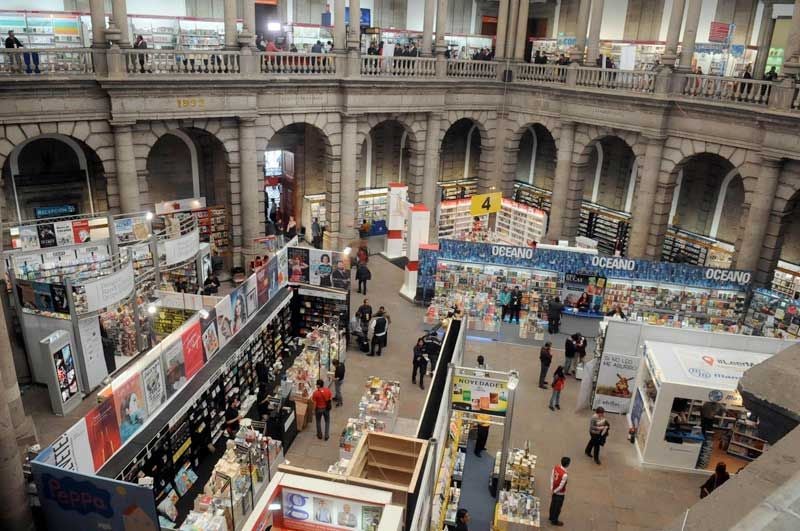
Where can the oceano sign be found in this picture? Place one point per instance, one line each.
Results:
(625, 264)
(524, 253)
(726, 275)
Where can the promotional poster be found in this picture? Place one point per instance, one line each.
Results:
(318, 512)
(174, 366)
(131, 406)
(584, 292)
(251, 289)
(480, 395)
(192, 343)
(615, 382)
(262, 284)
(298, 265)
(321, 268)
(103, 429)
(224, 320)
(154, 387)
(238, 308)
(272, 276)
(210, 337)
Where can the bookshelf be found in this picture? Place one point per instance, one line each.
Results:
(520, 224)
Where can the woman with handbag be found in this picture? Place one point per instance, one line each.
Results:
(598, 431)
(716, 480)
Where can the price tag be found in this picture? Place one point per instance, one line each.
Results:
(483, 204)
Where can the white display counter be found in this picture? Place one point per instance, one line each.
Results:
(672, 384)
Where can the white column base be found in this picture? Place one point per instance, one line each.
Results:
(409, 289)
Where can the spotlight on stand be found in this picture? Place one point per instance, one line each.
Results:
(347, 250)
(513, 380)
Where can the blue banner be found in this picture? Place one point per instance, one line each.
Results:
(566, 261)
(54, 211)
(71, 500)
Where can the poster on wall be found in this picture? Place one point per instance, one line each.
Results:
(191, 340)
(238, 309)
(108, 290)
(272, 274)
(304, 510)
(103, 430)
(131, 406)
(480, 395)
(155, 391)
(80, 231)
(251, 289)
(174, 366)
(28, 238)
(321, 268)
(615, 382)
(224, 321)
(298, 265)
(208, 327)
(71, 500)
(78, 435)
(262, 285)
(59, 294)
(64, 234)
(584, 292)
(47, 235)
(341, 271)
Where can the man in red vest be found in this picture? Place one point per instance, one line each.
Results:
(558, 488)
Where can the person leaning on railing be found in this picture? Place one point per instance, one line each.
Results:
(141, 44)
(16, 59)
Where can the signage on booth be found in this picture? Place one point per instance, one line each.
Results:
(180, 249)
(306, 511)
(507, 251)
(483, 204)
(109, 290)
(728, 275)
(480, 395)
(54, 211)
(614, 262)
(615, 382)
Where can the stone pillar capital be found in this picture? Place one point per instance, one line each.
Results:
(770, 161)
(123, 126)
(247, 121)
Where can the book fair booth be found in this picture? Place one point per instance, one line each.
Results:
(678, 389)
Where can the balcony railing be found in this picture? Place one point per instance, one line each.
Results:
(377, 66)
(730, 89)
(51, 61)
(285, 63)
(181, 62)
(527, 72)
(472, 69)
(627, 80)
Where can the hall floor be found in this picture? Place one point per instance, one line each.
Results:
(617, 495)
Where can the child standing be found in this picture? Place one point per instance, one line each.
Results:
(559, 380)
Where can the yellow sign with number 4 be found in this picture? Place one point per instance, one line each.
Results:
(483, 204)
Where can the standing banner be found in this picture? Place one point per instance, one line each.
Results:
(615, 382)
(191, 340)
(71, 500)
(224, 320)
(480, 395)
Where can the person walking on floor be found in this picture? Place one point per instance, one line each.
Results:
(482, 427)
(419, 363)
(515, 304)
(316, 234)
(545, 358)
(716, 480)
(362, 275)
(462, 519)
(364, 314)
(322, 408)
(378, 328)
(338, 381)
(580, 347)
(598, 431)
(569, 354)
(558, 490)
(559, 381)
(554, 310)
(504, 299)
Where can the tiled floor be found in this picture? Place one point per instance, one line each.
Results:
(617, 495)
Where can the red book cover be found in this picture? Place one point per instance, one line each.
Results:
(192, 349)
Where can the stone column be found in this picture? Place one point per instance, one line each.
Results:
(645, 199)
(127, 177)
(249, 182)
(427, 28)
(339, 27)
(580, 31)
(250, 18)
(441, 27)
(354, 34)
(690, 34)
(593, 47)
(98, 10)
(758, 217)
(347, 194)
(229, 13)
(502, 28)
(511, 28)
(791, 65)
(119, 12)
(16, 513)
(522, 31)
(561, 181)
(764, 38)
(430, 169)
(673, 33)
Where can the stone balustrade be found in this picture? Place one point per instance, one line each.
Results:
(46, 62)
(123, 63)
(414, 67)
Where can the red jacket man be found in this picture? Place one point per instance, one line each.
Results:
(558, 488)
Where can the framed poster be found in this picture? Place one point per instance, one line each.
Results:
(174, 366)
(614, 388)
(155, 391)
(224, 320)
(480, 395)
(131, 406)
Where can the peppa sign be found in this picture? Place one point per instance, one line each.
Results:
(71, 500)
